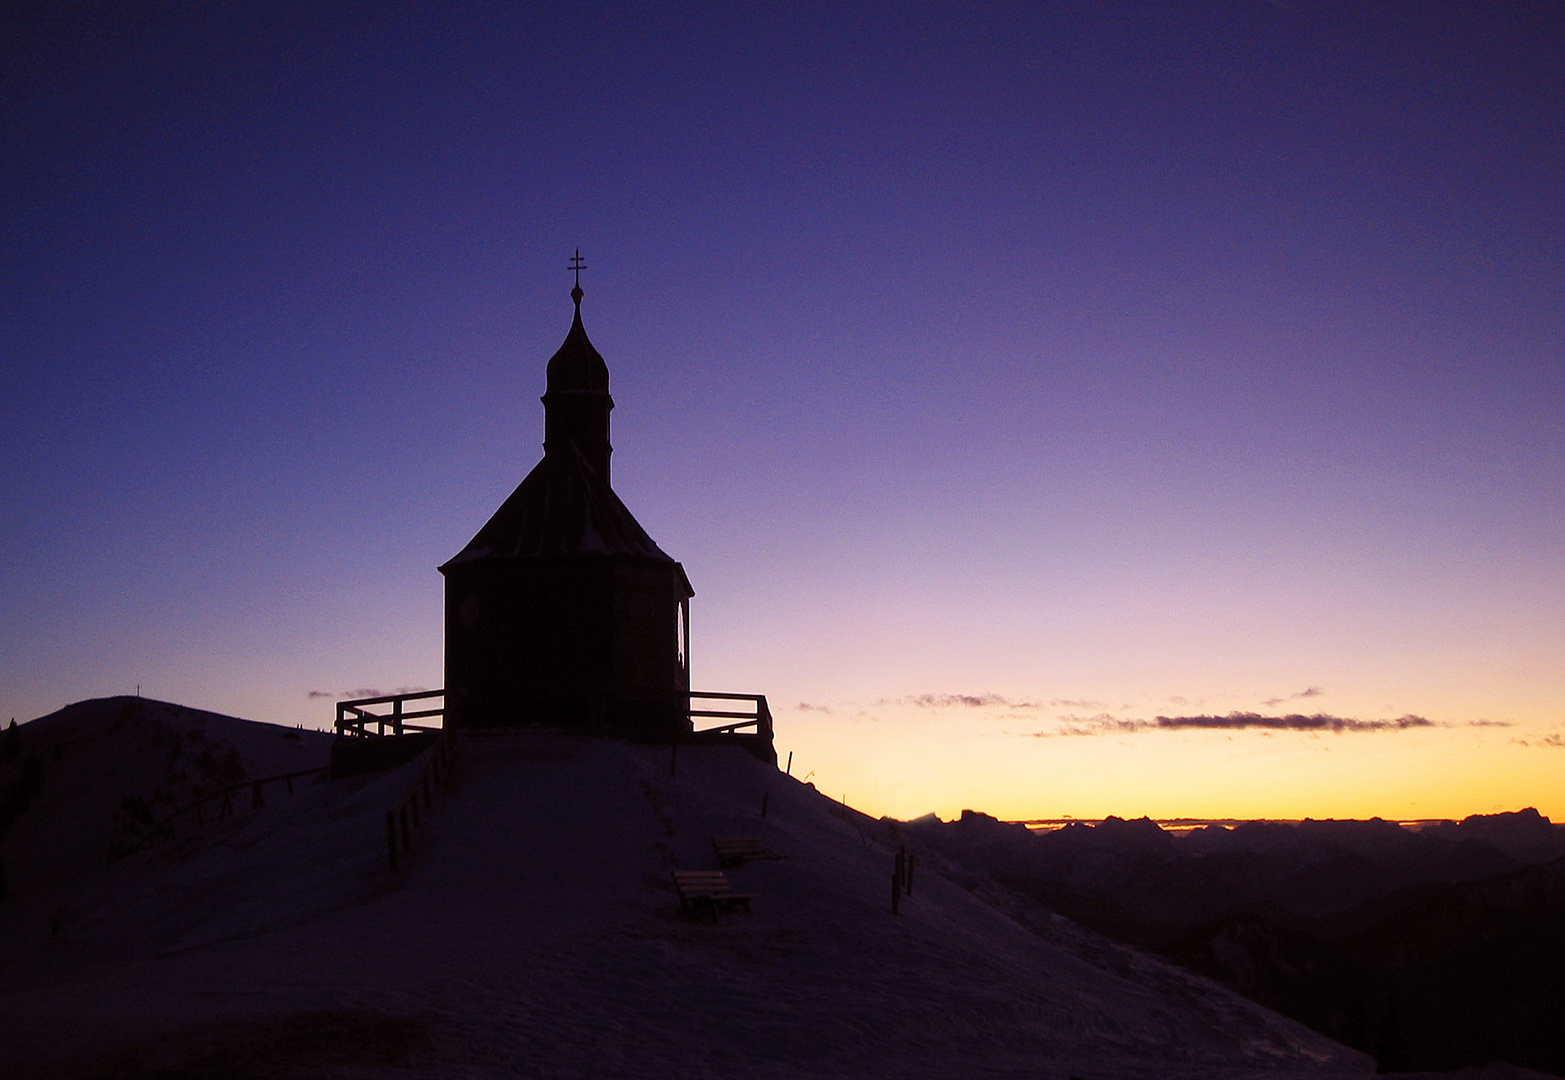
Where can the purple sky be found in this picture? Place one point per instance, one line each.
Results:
(1092, 362)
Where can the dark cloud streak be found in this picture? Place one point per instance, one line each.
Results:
(1237, 721)
(365, 692)
(1307, 692)
(1104, 724)
(969, 701)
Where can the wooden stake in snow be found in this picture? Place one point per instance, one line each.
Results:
(406, 815)
(901, 878)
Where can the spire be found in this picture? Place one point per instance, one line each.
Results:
(576, 402)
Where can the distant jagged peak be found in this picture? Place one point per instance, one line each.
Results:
(979, 824)
(1141, 826)
(1525, 818)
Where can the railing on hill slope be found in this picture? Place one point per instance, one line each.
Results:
(354, 721)
(166, 829)
(403, 818)
(758, 716)
(354, 718)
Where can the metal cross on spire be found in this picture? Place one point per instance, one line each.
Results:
(577, 266)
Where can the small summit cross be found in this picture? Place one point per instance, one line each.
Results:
(577, 266)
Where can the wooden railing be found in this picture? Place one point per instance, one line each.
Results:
(404, 818)
(165, 828)
(354, 718)
(417, 801)
(758, 716)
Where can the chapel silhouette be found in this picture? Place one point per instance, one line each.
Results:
(562, 610)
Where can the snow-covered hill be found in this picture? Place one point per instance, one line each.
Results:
(534, 931)
(81, 782)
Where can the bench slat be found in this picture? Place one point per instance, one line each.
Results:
(738, 850)
(708, 888)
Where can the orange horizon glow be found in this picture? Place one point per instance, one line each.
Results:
(1434, 774)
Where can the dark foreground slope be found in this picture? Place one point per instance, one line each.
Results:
(1459, 975)
(1433, 949)
(534, 931)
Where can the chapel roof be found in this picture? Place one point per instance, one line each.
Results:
(561, 508)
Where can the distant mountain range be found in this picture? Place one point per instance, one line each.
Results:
(1432, 948)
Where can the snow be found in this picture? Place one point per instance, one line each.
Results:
(534, 931)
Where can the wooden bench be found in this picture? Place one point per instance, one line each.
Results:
(708, 889)
(738, 850)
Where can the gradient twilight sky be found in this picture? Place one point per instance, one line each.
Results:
(1006, 376)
